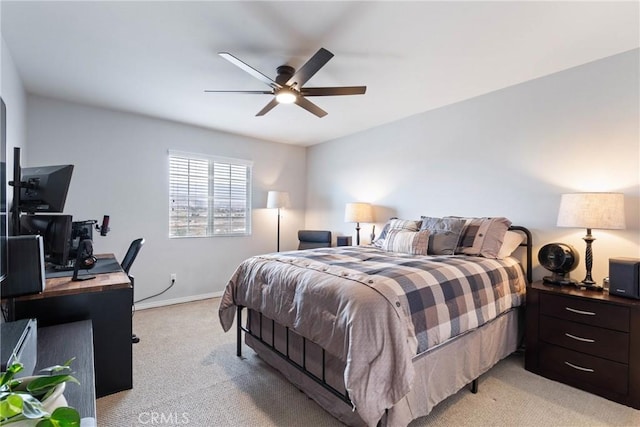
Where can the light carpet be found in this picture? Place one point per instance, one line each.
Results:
(185, 372)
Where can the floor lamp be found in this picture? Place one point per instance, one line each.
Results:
(591, 210)
(358, 212)
(278, 200)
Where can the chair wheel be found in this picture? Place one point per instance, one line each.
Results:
(135, 339)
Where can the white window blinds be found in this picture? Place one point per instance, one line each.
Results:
(208, 196)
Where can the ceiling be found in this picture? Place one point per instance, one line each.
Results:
(157, 58)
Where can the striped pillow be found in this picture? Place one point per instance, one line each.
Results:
(404, 224)
(395, 224)
(483, 236)
(408, 242)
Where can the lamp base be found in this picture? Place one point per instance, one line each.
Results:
(589, 286)
(559, 279)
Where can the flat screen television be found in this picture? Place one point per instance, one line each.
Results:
(46, 188)
(56, 232)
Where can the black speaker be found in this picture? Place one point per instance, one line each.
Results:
(26, 266)
(624, 277)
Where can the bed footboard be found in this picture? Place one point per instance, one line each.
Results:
(316, 370)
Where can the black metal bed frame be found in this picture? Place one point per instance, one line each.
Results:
(322, 380)
(344, 396)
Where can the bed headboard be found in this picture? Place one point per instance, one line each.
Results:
(528, 244)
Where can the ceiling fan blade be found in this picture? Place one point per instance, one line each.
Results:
(333, 91)
(310, 106)
(311, 67)
(267, 107)
(249, 69)
(260, 92)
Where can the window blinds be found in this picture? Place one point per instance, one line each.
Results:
(209, 196)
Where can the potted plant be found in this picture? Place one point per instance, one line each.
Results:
(36, 400)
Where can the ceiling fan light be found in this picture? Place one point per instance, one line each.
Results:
(286, 96)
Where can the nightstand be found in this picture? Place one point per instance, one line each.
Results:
(343, 241)
(586, 339)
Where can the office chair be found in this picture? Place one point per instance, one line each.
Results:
(126, 263)
(309, 239)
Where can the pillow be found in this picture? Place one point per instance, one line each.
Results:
(384, 231)
(408, 242)
(404, 224)
(511, 242)
(444, 234)
(395, 224)
(483, 236)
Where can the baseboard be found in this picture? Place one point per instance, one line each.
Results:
(181, 300)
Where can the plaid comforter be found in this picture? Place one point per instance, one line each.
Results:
(373, 309)
(441, 296)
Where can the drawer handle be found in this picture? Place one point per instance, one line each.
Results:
(580, 368)
(579, 338)
(573, 310)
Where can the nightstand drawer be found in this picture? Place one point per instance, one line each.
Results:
(605, 343)
(586, 311)
(581, 369)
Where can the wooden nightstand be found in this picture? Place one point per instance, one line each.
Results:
(343, 241)
(586, 339)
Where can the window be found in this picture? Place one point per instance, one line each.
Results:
(208, 196)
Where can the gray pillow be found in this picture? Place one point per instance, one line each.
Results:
(444, 234)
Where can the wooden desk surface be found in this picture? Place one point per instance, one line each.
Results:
(59, 286)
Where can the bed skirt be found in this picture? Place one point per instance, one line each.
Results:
(440, 372)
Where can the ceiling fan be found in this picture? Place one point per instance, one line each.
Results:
(288, 85)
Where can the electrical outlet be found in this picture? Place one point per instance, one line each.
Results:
(173, 277)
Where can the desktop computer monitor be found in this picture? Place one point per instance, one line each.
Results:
(46, 188)
(56, 232)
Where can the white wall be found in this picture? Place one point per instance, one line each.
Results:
(508, 153)
(15, 99)
(14, 96)
(121, 169)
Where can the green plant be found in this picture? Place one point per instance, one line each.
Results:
(22, 400)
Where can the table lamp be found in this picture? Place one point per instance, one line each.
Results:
(277, 200)
(591, 210)
(358, 212)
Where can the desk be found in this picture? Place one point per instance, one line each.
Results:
(106, 301)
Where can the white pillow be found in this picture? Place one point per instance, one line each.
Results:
(511, 242)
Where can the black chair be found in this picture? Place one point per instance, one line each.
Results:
(310, 239)
(126, 263)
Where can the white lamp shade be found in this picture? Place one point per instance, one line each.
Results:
(592, 210)
(277, 199)
(358, 212)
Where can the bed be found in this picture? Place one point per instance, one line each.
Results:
(377, 336)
